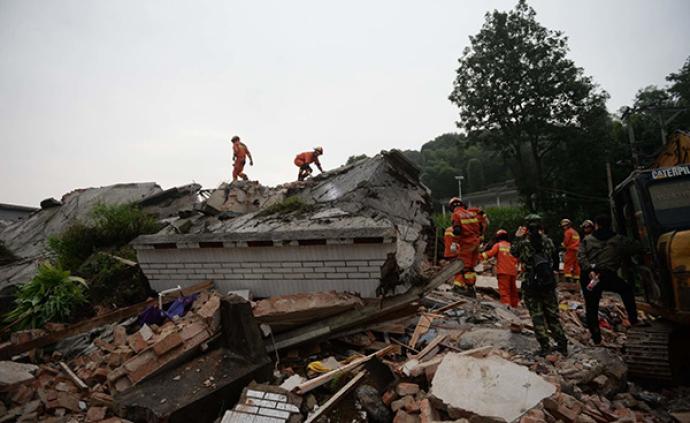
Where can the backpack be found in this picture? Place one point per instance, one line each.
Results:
(541, 275)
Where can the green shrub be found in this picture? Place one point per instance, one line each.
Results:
(74, 245)
(111, 227)
(288, 205)
(51, 296)
(116, 225)
(112, 282)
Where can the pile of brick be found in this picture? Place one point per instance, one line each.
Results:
(83, 388)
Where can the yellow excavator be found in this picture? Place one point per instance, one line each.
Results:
(653, 206)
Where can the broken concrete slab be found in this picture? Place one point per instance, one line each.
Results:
(487, 387)
(499, 338)
(13, 374)
(361, 228)
(288, 311)
(241, 197)
(197, 390)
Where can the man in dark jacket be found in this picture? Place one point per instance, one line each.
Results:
(601, 255)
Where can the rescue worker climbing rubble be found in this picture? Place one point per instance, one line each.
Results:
(467, 226)
(571, 243)
(506, 268)
(303, 160)
(240, 152)
(539, 257)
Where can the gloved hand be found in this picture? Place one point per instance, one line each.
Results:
(454, 248)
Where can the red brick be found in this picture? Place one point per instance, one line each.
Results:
(388, 397)
(119, 335)
(167, 343)
(405, 388)
(406, 403)
(68, 401)
(136, 342)
(189, 332)
(105, 346)
(96, 414)
(403, 417)
(115, 359)
(141, 366)
(427, 414)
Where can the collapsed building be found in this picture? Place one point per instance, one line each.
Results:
(361, 228)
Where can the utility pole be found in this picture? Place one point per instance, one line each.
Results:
(460, 178)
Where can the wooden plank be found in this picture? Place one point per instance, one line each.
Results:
(450, 306)
(337, 397)
(422, 327)
(77, 381)
(11, 350)
(314, 383)
(433, 344)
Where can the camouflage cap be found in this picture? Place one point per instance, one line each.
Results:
(532, 217)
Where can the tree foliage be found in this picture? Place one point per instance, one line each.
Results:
(519, 94)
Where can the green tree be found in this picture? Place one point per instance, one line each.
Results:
(518, 92)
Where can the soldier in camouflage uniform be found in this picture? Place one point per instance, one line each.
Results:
(541, 301)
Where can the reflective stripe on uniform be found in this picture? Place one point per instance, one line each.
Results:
(468, 221)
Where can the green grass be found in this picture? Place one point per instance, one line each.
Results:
(292, 204)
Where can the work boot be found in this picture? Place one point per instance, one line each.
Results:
(544, 351)
(596, 338)
(471, 291)
(563, 348)
(459, 289)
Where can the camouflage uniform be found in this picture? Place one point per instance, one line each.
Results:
(542, 303)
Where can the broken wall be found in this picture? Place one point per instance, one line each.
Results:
(363, 228)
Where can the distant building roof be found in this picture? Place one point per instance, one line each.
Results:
(16, 207)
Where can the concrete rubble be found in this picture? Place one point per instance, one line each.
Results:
(490, 386)
(359, 327)
(27, 238)
(361, 228)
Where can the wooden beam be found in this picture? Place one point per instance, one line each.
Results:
(77, 381)
(6, 353)
(314, 383)
(337, 397)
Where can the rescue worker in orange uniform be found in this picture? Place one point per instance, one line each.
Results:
(467, 226)
(506, 268)
(571, 244)
(303, 160)
(240, 152)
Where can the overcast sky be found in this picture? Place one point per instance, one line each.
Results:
(98, 92)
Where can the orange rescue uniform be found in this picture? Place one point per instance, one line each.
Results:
(506, 272)
(470, 237)
(571, 243)
(306, 158)
(448, 240)
(240, 152)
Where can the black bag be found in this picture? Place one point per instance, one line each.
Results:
(541, 275)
